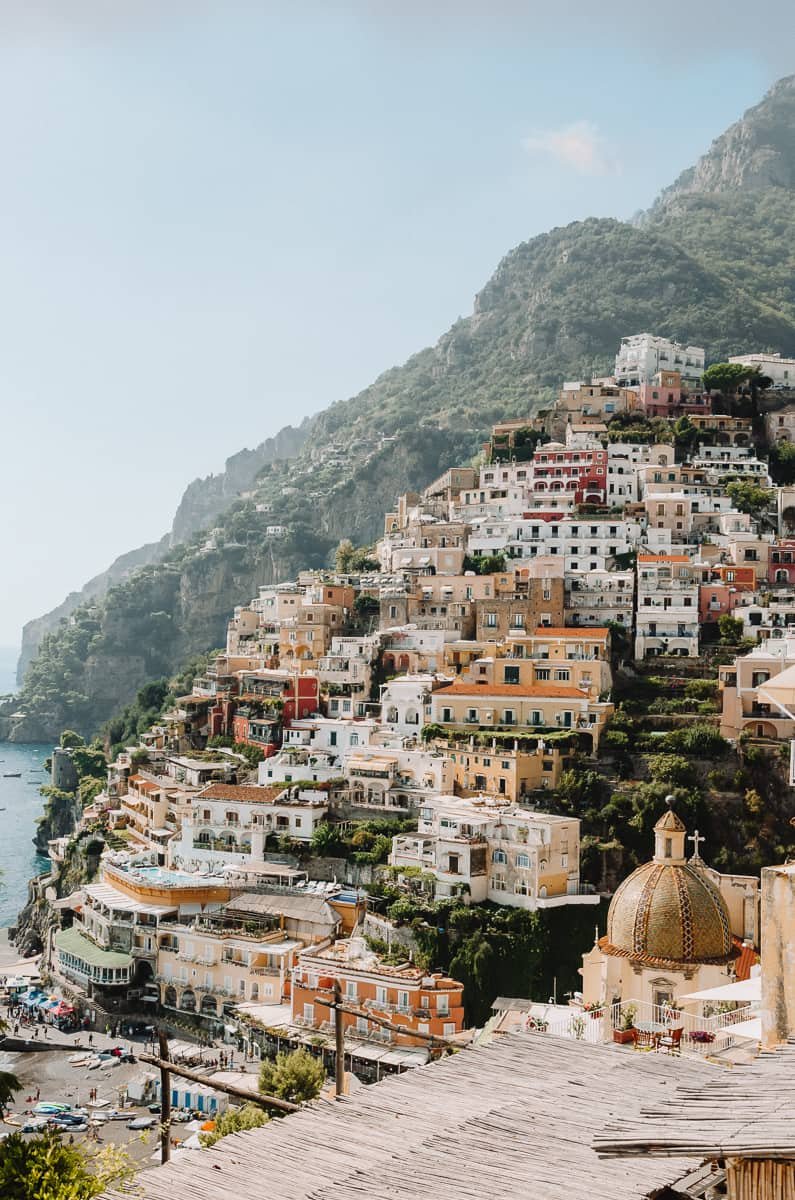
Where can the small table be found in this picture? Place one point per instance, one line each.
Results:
(649, 1033)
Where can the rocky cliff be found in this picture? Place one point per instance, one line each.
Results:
(203, 501)
(754, 154)
(712, 262)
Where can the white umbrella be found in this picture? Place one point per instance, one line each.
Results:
(745, 991)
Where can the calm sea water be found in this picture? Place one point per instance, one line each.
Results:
(20, 805)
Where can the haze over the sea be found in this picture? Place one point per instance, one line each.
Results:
(8, 669)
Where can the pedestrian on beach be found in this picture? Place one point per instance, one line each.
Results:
(38, 1094)
(91, 1039)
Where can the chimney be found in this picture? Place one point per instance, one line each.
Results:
(778, 954)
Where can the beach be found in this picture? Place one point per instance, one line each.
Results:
(56, 1079)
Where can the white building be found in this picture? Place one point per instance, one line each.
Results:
(598, 597)
(780, 370)
(718, 461)
(666, 620)
(583, 543)
(229, 824)
(404, 703)
(487, 849)
(642, 355)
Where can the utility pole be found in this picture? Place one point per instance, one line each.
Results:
(339, 1041)
(165, 1098)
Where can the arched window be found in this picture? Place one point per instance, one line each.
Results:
(523, 860)
(499, 856)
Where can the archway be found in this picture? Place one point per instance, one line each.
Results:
(170, 997)
(209, 1006)
(143, 973)
(188, 1001)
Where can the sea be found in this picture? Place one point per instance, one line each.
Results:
(20, 806)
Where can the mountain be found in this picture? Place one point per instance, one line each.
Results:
(202, 501)
(711, 262)
(754, 154)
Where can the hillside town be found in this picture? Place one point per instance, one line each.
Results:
(400, 736)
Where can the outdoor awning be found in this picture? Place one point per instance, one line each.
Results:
(780, 692)
(367, 1053)
(746, 991)
(750, 1030)
(71, 941)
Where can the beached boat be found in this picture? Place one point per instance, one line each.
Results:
(12, 775)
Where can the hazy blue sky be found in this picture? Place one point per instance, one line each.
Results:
(217, 218)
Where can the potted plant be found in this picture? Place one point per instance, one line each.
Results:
(593, 1009)
(625, 1031)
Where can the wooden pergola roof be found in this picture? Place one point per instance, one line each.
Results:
(743, 1113)
(516, 1118)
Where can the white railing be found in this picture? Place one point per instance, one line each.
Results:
(701, 1035)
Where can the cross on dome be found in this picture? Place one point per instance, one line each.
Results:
(695, 837)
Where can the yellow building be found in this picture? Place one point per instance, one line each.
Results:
(507, 706)
(222, 959)
(510, 767)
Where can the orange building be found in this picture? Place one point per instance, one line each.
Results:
(405, 995)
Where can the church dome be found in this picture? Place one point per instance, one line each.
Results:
(669, 909)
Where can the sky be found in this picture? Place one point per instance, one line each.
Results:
(218, 218)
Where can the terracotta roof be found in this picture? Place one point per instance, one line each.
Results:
(570, 632)
(649, 960)
(671, 558)
(747, 958)
(549, 690)
(235, 791)
(670, 821)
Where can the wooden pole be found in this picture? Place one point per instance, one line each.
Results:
(165, 1098)
(433, 1038)
(229, 1089)
(339, 1041)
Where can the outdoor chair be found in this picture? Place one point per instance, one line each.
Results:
(671, 1041)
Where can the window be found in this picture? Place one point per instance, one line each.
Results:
(332, 738)
(536, 718)
(511, 675)
(380, 994)
(498, 883)
(491, 620)
(443, 1004)
(499, 856)
(523, 861)
(350, 989)
(309, 1013)
(509, 717)
(403, 1001)
(472, 716)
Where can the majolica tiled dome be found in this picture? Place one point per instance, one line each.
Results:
(669, 909)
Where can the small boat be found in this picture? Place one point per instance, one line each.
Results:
(12, 775)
